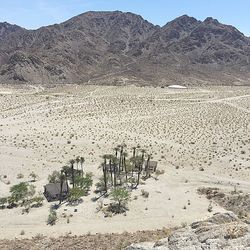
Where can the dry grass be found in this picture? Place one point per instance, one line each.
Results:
(97, 241)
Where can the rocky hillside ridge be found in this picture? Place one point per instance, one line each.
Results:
(221, 231)
(119, 48)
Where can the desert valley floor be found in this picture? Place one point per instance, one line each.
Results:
(186, 130)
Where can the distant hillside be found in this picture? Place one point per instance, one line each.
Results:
(121, 48)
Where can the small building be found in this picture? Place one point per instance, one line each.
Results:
(152, 165)
(52, 191)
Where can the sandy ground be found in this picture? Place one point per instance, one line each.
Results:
(42, 128)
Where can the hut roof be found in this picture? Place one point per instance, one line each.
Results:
(54, 188)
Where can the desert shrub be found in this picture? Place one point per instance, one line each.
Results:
(52, 218)
(21, 194)
(84, 182)
(75, 195)
(19, 191)
(121, 197)
(210, 208)
(100, 185)
(54, 177)
(37, 201)
(235, 232)
(33, 176)
(3, 201)
(20, 176)
(144, 193)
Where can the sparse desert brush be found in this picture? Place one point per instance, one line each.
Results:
(235, 232)
(20, 176)
(33, 176)
(144, 193)
(159, 172)
(210, 207)
(183, 224)
(52, 217)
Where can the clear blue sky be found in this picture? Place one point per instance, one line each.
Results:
(36, 13)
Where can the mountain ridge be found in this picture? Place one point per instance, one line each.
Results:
(120, 48)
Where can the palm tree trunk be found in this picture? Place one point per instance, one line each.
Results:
(114, 175)
(61, 187)
(73, 175)
(111, 175)
(105, 175)
(120, 160)
(147, 166)
(125, 167)
(138, 178)
(82, 168)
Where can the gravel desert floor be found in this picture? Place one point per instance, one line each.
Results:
(199, 136)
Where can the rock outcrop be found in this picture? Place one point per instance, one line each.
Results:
(221, 231)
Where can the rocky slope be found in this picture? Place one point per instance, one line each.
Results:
(221, 231)
(113, 47)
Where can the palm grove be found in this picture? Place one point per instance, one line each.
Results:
(121, 174)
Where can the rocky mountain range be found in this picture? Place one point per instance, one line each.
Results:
(122, 48)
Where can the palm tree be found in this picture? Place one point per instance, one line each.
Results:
(116, 150)
(67, 170)
(77, 162)
(138, 146)
(138, 177)
(132, 160)
(125, 166)
(115, 161)
(134, 148)
(105, 174)
(120, 159)
(111, 171)
(72, 162)
(143, 151)
(147, 165)
(124, 155)
(62, 180)
(82, 160)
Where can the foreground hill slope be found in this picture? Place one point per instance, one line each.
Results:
(113, 47)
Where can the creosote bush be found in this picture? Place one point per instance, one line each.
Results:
(54, 177)
(144, 193)
(121, 197)
(52, 218)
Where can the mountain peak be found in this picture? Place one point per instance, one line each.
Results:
(7, 28)
(184, 20)
(104, 43)
(210, 20)
(182, 24)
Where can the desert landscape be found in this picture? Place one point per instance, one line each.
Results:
(199, 136)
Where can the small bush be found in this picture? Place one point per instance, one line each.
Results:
(210, 208)
(20, 176)
(52, 218)
(33, 176)
(144, 193)
(120, 196)
(54, 177)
